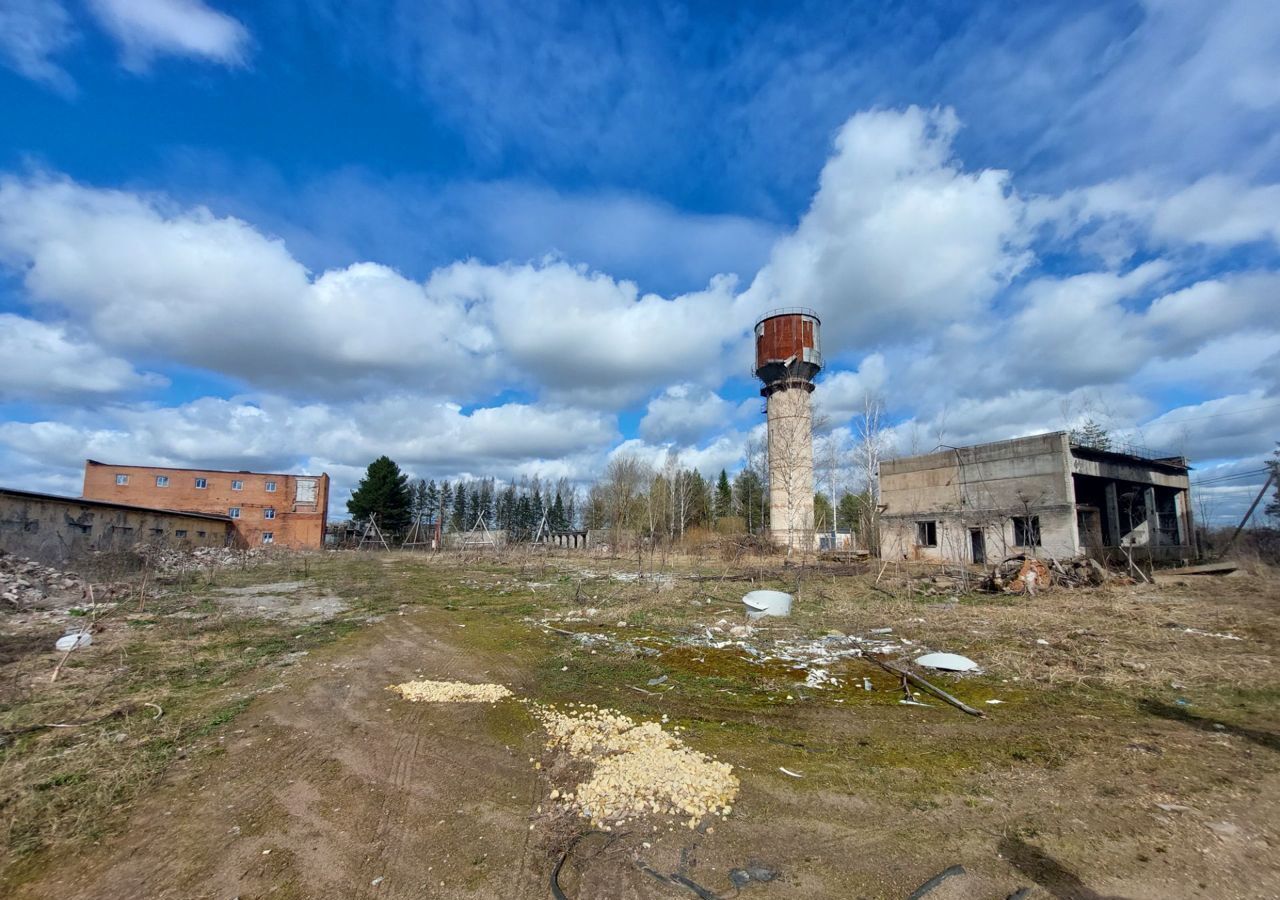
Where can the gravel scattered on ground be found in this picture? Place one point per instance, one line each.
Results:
(450, 692)
(639, 769)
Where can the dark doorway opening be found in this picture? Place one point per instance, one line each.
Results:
(979, 545)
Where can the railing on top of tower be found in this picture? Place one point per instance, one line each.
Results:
(789, 311)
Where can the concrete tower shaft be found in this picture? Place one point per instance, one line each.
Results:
(788, 358)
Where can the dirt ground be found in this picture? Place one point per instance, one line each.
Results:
(1135, 751)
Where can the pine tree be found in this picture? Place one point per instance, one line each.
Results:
(701, 502)
(384, 491)
(459, 515)
(523, 518)
(1091, 434)
(446, 503)
(432, 502)
(748, 491)
(419, 500)
(559, 522)
(486, 501)
(507, 508)
(724, 496)
(536, 508)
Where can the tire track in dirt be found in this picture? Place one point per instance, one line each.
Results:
(340, 785)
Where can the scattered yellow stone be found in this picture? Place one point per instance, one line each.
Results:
(639, 768)
(450, 692)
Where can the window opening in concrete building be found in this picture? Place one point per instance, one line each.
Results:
(237, 485)
(1026, 531)
(157, 531)
(927, 533)
(234, 512)
(271, 487)
(202, 483)
(126, 529)
(181, 532)
(268, 513)
(162, 481)
(201, 533)
(268, 537)
(122, 479)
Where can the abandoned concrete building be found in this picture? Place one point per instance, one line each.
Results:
(264, 508)
(57, 530)
(1043, 494)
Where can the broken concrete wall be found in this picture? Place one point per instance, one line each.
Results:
(60, 530)
(990, 500)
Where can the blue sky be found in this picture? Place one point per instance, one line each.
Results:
(518, 238)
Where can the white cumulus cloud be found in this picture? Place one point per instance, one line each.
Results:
(146, 29)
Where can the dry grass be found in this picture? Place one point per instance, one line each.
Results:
(1074, 701)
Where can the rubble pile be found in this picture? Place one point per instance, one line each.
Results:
(450, 692)
(638, 769)
(25, 583)
(1023, 574)
(172, 561)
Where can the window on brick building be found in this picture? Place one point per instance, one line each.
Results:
(237, 485)
(122, 479)
(268, 513)
(271, 487)
(162, 481)
(234, 512)
(268, 537)
(202, 483)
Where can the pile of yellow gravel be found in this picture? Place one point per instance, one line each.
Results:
(639, 769)
(450, 692)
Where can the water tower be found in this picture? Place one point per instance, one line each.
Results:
(788, 358)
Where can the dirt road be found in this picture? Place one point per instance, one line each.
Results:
(330, 787)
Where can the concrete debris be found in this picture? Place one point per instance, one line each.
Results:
(947, 662)
(767, 603)
(1022, 574)
(173, 561)
(73, 641)
(1225, 635)
(450, 692)
(638, 769)
(26, 584)
(744, 876)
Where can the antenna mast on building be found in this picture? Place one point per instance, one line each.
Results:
(788, 358)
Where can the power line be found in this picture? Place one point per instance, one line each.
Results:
(1221, 478)
(1234, 412)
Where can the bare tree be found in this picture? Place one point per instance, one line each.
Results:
(623, 489)
(869, 448)
(829, 471)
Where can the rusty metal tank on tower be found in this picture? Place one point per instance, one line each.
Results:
(788, 358)
(788, 349)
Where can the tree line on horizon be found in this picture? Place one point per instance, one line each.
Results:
(630, 497)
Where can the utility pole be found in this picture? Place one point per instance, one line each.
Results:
(1254, 505)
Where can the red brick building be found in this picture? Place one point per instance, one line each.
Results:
(285, 510)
